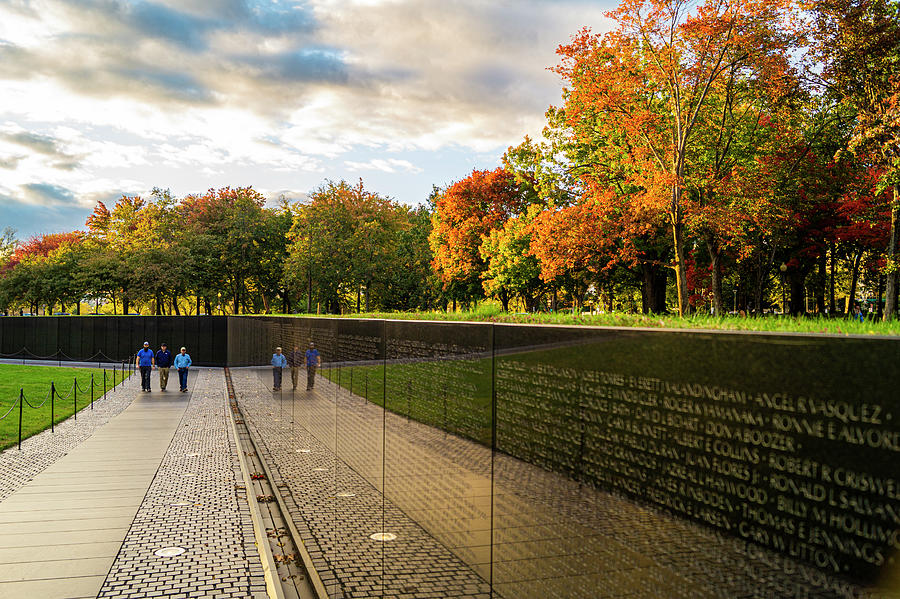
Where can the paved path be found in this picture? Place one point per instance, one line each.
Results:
(61, 531)
(105, 493)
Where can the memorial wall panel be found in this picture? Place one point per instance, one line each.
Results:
(774, 439)
(438, 431)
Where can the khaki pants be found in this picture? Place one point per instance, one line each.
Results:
(295, 375)
(163, 378)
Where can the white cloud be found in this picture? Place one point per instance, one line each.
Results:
(389, 165)
(187, 93)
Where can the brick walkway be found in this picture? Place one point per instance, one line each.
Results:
(193, 504)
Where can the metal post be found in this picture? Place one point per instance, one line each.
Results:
(367, 386)
(104, 382)
(351, 382)
(21, 402)
(92, 390)
(52, 411)
(114, 377)
(75, 400)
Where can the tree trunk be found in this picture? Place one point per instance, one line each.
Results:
(797, 287)
(890, 300)
(175, 307)
(653, 288)
(879, 309)
(157, 309)
(832, 308)
(854, 279)
(821, 277)
(680, 272)
(208, 307)
(715, 264)
(504, 299)
(762, 276)
(78, 307)
(125, 305)
(367, 296)
(358, 298)
(553, 300)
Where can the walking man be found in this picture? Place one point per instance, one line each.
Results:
(145, 361)
(294, 360)
(313, 361)
(182, 362)
(163, 362)
(278, 362)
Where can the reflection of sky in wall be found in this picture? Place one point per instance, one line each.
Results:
(104, 97)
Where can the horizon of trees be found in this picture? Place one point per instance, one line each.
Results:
(710, 156)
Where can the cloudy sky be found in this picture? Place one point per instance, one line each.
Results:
(104, 97)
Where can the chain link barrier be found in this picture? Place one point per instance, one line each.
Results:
(118, 377)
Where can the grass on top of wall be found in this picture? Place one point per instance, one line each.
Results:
(775, 323)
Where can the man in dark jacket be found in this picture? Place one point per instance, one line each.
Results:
(163, 362)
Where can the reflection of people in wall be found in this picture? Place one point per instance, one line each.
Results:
(295, 360)
(313, 361)
(278, 362)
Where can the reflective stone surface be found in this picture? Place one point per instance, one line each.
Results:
(590, 462)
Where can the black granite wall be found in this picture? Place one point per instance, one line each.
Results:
(789, 442)
(113, 337)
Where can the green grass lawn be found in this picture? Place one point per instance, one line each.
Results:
(803, 324)
(35, 381)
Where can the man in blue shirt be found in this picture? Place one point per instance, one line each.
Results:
(182, 362)
(145, 361)
(163, 362)
(313, 361)
(279, 361)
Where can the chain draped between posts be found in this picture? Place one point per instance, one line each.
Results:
(118, 376)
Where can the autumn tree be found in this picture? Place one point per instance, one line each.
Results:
(466, 213)
(343, 244)
(511, 267)
(652, 78)
(858, 41)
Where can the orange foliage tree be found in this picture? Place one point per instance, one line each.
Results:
(463, 216)
(652, 78)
